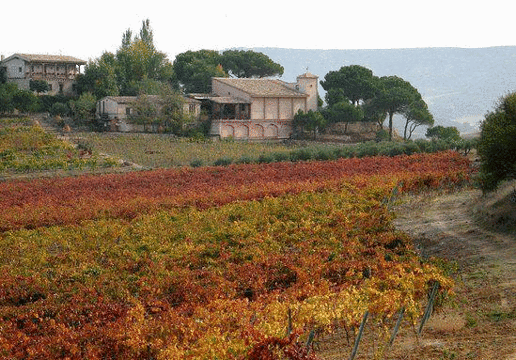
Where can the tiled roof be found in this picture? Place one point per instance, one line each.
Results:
(263, 87)
(122, 99)
(131, 99)
(49, 58)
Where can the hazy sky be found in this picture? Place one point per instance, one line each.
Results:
(85, 29)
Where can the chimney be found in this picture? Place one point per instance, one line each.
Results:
(1, 57)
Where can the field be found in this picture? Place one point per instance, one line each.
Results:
(27, 148)
(221, 262)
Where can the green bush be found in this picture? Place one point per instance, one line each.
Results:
(382, 135)
(265, 158)
(497, 144)
(245, 159)
(60, 109)
(196, 163)
(300, 155)
(223, 161)
(410, 148)
(280, 156)
(369, 148)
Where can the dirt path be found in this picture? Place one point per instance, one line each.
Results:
(481, 324)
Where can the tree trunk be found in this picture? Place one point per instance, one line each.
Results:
(405, 131)
(391, 114)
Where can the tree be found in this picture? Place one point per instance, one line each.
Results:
(38, 86)
(146, 108)
(416, 115)
(25, 101)
(373, 113)
(99, 77)
(194, 70)
(3, 75)
(394, 96)
(171, 110)
(249, 64)
(84, 107)
(354, 82)
(7, 92)
(139, 64)
(497, 145)
(136, 67)
(311, 121)
(345, 112)
(448, 133)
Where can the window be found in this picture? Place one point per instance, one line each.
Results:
(128, 111)
(191, 108)
(20, 69)
(49, 87)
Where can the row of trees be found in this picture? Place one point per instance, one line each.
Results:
(25, 101)
(138, 67)
(354, 94)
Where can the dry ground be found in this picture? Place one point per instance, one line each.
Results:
(479, 234)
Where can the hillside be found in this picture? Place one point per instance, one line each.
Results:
(459, 85)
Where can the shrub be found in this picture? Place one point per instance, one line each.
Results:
(196, 163)
(265, 158)
(245, 159)
(280, 156)
(223, 161)
(300, 155)
(59, 108)
(497, 145)
(382, 135)
(410, 148)
(369, 148)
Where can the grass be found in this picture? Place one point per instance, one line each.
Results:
(164, 151)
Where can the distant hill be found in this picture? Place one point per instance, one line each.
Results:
(459, 85)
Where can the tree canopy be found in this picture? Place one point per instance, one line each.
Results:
(497, 145)
(249, 64)
(39, 86)
(417, 114)
(394, 96)
(374, 98)
(194, 70)
(136, 67)
(354, 82)
(448, 133)
(311, 121)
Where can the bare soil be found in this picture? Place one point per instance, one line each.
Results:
(478, 234)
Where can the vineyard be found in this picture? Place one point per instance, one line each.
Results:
(27, 148)
(245, 261)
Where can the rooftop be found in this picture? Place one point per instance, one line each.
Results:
(263, 87)
(48, 58)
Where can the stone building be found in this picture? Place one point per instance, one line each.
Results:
(58, 71)
(259, 108)
(117, 113)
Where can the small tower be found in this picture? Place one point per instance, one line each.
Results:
(307, 83)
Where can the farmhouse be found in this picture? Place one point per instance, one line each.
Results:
(259, 108)
(57, 70)
(117, 113)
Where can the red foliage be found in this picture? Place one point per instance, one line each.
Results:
(58, 201)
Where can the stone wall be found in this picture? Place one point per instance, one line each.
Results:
(359, 127)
